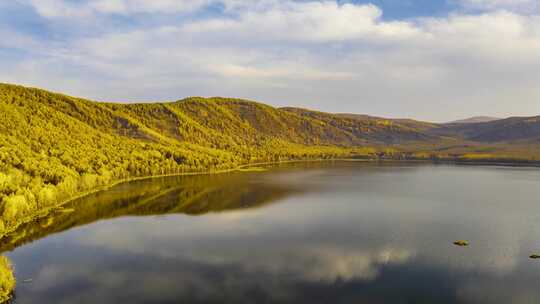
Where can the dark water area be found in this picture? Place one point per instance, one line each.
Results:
(342, 232)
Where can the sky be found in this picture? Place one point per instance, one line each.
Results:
(435, 60)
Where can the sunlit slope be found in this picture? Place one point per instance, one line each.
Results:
(213, 122)
(224, 123)
(51, 132)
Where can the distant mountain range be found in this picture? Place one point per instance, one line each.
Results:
(475, 119)
(508, 130)
(481, 129)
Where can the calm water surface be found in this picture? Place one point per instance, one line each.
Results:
(326, 233)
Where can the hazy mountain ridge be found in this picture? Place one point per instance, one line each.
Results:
(474, 119)
(508, 130)
(419, 126)
(481, 129)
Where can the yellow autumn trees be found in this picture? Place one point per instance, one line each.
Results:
(7, 280)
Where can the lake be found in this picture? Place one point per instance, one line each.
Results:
(336, 232)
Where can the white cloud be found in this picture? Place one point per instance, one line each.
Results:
(519, 5)
(91, 8)
(308, 21)
(70, 9)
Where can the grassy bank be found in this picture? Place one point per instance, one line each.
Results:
(43, 212)
(7, 280)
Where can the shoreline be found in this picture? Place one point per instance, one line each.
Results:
(459, 162)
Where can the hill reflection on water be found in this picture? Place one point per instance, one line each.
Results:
(191, 195)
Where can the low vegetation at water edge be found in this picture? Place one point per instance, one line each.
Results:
(7, 280)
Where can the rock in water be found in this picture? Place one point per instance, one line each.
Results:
(461, 243)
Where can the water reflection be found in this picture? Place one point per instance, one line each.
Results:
(193, 195)
(341, 233)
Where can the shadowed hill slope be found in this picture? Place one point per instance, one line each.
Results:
(413, 126)
(475, 119)
(513, 129)
(372, 129)
(480, 129)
